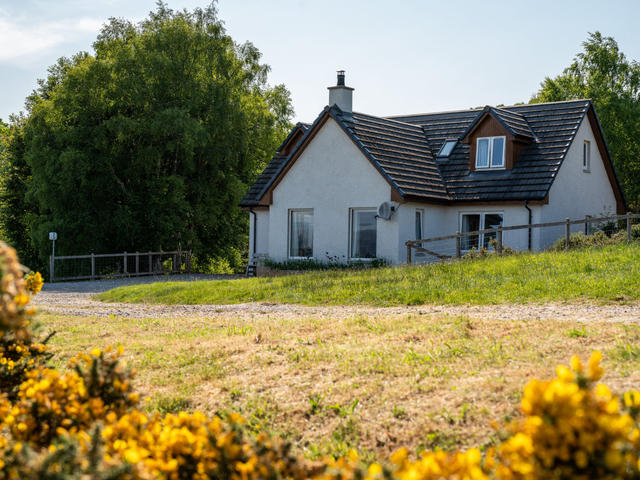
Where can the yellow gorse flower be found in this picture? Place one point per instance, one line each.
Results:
(54, 422)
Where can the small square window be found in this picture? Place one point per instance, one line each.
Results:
(447, 148)
(586, 156)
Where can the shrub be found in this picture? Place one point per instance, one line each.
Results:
(332, 264)
(596, 239)
(84, 423)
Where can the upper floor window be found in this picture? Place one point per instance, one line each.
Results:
(301, 233)
(447, 148)
(490, 152)
(586, 156)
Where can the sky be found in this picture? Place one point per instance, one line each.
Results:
(402, 56)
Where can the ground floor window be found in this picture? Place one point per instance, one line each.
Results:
(363, 233)
(301, 233)
(472, 222)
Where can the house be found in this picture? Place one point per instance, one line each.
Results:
(438, 173)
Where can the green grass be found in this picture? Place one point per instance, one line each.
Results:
(601, 274)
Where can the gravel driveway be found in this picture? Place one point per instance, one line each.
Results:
(74, 298)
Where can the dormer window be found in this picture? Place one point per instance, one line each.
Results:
(490, 152)
(447, 148)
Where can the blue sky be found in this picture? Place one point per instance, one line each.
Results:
(401, 57)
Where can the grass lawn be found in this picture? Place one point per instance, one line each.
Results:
(606, 273)
(372, 383)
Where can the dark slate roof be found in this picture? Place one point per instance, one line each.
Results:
(554, 126)
(400, 151)
(252, 197)
(403, 149)
(515, 122)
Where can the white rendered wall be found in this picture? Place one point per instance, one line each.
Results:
(442, 220)
(576, 193)
(330, 176)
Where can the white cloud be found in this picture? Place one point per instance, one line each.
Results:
(23, 41)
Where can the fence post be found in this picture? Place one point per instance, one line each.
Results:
(567, 233)
(408, 253)
(150, 266)
(458, 246)
(628, 226)
(587, 224)
(125, 263)
(93, 266)
(51, 260)
(499, 245)
(137, 263)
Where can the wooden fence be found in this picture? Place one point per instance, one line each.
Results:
(418, 245)
(114, 265)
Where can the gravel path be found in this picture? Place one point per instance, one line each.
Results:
(74, 298)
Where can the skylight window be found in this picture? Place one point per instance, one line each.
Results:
(447, 148)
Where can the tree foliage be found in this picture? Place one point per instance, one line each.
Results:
(151, 142)
(602, 73)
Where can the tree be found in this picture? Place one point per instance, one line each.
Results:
(14, 175)
(4, 138)
(151, 143)
(602, 73)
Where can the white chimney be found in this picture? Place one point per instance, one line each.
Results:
(341, 95)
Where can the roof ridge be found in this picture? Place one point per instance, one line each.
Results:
(389, 119)
(476, 109)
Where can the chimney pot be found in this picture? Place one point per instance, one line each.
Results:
(341, 95)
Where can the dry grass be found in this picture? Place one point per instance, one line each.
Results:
(372, 383)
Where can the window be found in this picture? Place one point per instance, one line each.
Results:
(363, 233)
(447, 148)
(301, 233)
(586, 156)
(490, 152)
(473, 222)
(419, 215)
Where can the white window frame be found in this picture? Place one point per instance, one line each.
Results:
(290, 223)
(352, 212)
(586, 156)
(482, 217)
(491, 166)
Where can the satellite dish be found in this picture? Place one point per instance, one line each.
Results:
(386, 210)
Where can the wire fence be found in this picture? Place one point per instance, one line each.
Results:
(501, 239)
(114, 265)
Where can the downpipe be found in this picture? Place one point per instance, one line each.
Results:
(526, 205)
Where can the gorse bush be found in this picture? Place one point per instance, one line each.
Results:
(84, 423)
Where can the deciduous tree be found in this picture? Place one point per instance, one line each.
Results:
(602, 73)
(151, 142)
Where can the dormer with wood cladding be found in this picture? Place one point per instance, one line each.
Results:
(292, 139)
(496, 139)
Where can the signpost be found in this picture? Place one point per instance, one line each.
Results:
(53, 236)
